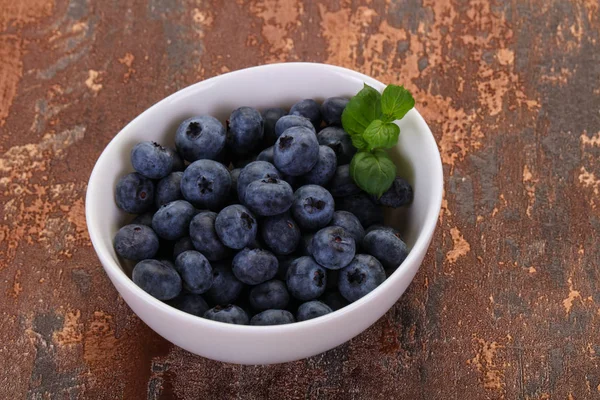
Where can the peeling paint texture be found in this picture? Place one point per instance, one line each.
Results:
(507, 302)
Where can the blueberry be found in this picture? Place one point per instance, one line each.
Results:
(246, 130)
(398, 195)
(270, 294)
(205, 238)
(323, 170)
(334, 300)
(367, 212)
(271, 116)
(306, 244)
(144, 219)
(236, 226)
(195, 271)
(134, 193)
(332, 110)
(200, 138)
(266, 155)
(168, 189)
(254, 266)
(183, 244)
(151, 160)
(308, 108)
(296, 151)
(280, 233)
(206, 184)
(157, 279)
(342, 183)
(313, 207)
(178, 164)
(387, 246)
(312, 309)
(350, 223)
(229, 314)
(269, 196)
(333, 247)
(289, 121)
(136, 242)
(306, 280)
(172, 220)
(190, 303)
(226, 288)
(360, 277)
(252, 172)
(272, 317)
(339, 141)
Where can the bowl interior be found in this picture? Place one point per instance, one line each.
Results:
(277, 85)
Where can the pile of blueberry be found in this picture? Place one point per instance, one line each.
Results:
(258, 223)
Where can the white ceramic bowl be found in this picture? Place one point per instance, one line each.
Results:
(261, 87)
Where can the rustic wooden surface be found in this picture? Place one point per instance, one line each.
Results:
(507, 303)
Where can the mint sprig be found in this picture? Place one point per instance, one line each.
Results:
(369, 120)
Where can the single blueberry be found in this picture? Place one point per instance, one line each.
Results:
(272, 317)
(206, 184)
(229, 314)
(266, 155)
(296, 151)
(339, 141)
(400, 194)
(226, 288)
(134, 193)
(136, 242)
(254, 266)
(157, 279)
(342, 183)
(367, 212)
(270, 294)
(312, 309)
(271, 116)
(183, 244)
(308, 108)
(246, 130)
(332, 110)
(360, 277)
(144, 219)
(200, 138)
(205, 238)
(334, 300)
(387, 246)
(313, 207)
(289, 121)
(280, 233)
(168, 189)
(306, 244)
(323, 170)
(151, 160)
(236, 226)
(172, 220)
(306, 280)
(190, 303)
(195, 271)
(178, 164)
(252, 172)
(333, 247)
(350, 223)
(269, 196)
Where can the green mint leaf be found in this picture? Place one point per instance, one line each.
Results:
(359, 142)
(374, 172)
(396, 101)
(361, 110)
(381, 134)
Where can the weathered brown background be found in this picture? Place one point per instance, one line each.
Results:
(507, 303)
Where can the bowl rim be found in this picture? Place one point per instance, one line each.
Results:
(420, 246)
